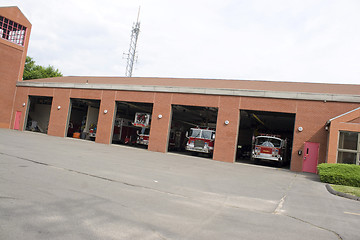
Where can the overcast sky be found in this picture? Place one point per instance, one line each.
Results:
(277, 40)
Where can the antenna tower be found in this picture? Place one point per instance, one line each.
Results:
(131, 56)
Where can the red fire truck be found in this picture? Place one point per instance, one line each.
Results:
(124, 131)
(142, 120)
(92, 132)
(200, 140)
(269, 148)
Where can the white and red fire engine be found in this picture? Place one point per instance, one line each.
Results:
(270, 148)
(142, 120)
(200, 140)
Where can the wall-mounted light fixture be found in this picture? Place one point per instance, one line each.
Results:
(160, 116)
(226, 122)
(59, 107)
(105, 111)
(300, 129)
(23, 104)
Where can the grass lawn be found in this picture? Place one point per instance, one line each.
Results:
(347, 189)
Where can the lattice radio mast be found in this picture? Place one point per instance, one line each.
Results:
(131, 56)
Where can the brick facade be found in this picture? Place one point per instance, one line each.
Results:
(310, 114)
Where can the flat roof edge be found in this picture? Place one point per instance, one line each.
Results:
(205, 91)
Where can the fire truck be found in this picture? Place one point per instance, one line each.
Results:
(124, 131)
(200, 140)
(142, 120)
(92, 132)
(269, 148)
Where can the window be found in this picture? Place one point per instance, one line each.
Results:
(12, 31)
(349, 148)
(268, 142)
(207, 134)
(195, 133)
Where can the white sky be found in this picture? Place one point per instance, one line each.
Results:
(277, 40)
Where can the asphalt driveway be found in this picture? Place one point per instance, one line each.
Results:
(61, 188)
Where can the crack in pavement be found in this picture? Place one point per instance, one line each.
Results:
(94, 176)
(301, 220)
(6, 197)
(213, 199)
(277, 211)
(282, 200)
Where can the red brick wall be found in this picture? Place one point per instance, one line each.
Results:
(21, 97)
(160, 126)
(226, 135)
(105, 120)
(310, 115)
(58, 117)
(12, 60)
(10, 63)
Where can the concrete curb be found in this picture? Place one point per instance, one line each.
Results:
(345, 195)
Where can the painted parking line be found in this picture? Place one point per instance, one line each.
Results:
(358, 214)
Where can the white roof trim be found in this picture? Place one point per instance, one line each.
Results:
(197, 90)
(343, 114)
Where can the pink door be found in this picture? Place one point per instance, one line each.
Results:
(311, 155)
(17, 120)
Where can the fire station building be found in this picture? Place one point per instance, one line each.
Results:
(320, 122)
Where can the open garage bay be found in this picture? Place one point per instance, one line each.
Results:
(38, 114)
(270, 124)
(193, 130)
(132, 124)
(84, 114)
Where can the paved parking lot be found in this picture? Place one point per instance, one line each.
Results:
(60, 188)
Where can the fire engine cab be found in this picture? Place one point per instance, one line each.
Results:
(200, 140)
(270, 148)
(142, 120)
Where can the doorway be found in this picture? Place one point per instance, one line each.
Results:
(311, 155)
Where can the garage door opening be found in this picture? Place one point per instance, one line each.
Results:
(265, 138)
(83, 118)
(37, 119)
(132, 124)
(193, 130)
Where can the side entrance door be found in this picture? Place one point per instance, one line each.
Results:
(311, 156)
(17, 120)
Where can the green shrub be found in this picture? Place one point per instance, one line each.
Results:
(340, 174)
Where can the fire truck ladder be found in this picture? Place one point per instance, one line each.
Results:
(131, 56)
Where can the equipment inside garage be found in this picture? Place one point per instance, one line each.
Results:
(38, 114)
(83, 119)
(193, 130)
(132, 123)
(269, 129)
